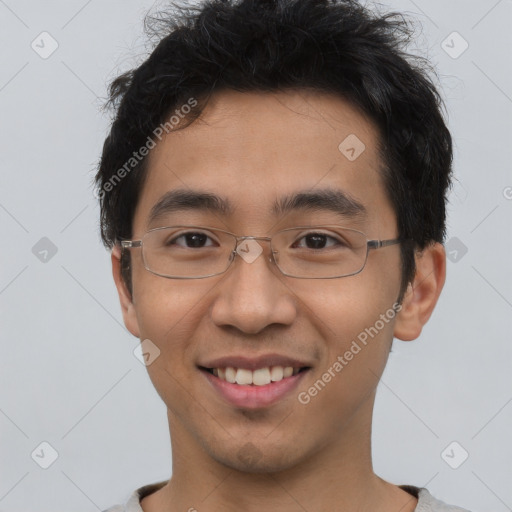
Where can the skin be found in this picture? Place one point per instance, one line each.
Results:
(253, 148)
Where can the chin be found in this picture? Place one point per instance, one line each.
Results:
(251, 457)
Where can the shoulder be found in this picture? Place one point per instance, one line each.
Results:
(133, 502)
(427, 503)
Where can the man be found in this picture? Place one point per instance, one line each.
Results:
(273, 190)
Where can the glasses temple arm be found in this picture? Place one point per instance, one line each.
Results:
(129, 244)
(376, 244)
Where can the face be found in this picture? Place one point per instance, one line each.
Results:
(255, 151)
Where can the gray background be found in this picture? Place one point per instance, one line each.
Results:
(68, 375)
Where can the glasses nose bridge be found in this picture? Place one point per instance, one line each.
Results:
(250, 237)
(239, 239)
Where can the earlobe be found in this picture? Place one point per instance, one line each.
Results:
(125, 297)
(422, 294)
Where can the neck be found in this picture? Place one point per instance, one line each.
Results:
(337, 476)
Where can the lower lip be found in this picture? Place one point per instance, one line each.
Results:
(254, 397)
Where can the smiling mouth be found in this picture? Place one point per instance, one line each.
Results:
(259, 377)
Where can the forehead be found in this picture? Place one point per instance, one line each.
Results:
(256, 149)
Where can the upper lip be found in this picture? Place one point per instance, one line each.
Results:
(253, 363)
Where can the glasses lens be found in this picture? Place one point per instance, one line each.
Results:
(187, 251)
(320, 252)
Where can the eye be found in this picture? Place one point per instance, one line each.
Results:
(191, 240)
(318, 241)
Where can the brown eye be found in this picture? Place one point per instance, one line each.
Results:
(192, 240)
(317, 241)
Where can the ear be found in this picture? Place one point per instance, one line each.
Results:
(422, 294)
(125, 297)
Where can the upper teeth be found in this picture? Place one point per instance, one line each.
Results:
(258, 377)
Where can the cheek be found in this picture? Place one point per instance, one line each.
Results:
(342, 308)
(168, 312)
(355, 324)
(346, 384)
(359, 332)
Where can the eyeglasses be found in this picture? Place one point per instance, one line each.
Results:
(308, 252)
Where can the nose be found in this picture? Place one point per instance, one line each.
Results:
(253, 294)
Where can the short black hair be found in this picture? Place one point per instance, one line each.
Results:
(332, 46)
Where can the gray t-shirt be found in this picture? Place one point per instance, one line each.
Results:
(426, 502)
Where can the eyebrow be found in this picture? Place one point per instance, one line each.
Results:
(337, 201)
(182, 200)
